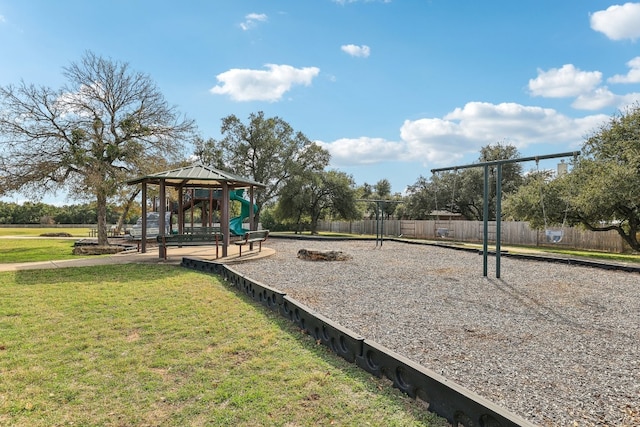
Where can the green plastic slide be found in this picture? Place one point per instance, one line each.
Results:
(235, 223)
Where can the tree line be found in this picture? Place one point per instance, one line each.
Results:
(110, 124)
(46, 214)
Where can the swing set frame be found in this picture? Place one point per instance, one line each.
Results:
(380, 203)
(485, 205)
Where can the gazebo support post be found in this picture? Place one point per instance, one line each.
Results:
(224, 219)
(180, 210)
(162, 227)
(251, 201)
(143, 242)
(210, 209)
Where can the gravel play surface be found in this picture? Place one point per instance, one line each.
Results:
(558, 345)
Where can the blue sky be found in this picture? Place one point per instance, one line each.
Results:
(391, 88)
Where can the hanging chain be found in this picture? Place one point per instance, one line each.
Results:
(540, 177)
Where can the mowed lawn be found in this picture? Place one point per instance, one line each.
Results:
(35, 249)
(150, 345)
(26, 245)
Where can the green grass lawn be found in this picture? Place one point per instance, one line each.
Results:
(35, 249)
(29, 247)
(160, 345)
(29, 231)
(603, 256)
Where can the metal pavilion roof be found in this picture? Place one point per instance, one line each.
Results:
(197, 175)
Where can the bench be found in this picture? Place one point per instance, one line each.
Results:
(180, 240)
(204, 229)
(251, 237)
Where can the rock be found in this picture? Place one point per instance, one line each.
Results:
(311, 255)
(96, 250)
(56, 235)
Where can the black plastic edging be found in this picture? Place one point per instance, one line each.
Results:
(531, 257)
(445, 398)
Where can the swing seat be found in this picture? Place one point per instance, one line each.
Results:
(554, 236)
(442, 232)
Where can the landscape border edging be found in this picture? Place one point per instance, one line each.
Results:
(446, 398)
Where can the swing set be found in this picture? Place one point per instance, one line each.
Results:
(380, 204)
(485, 216)
(443, 228)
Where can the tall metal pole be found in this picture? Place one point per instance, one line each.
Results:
(498, 217)
(381, 223)
(377, 222)
(485, 222)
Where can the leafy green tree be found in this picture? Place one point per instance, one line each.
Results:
(604, 185)
(6, 212)
(462, 191)
(295, 200)
(266, 150)
(601, 192)
(76, 214)
(383, 188)
(317, 195)
(466, 187)
(541, 200)
(420, 199)
(89, 136)
(383, 192)
(379, 191)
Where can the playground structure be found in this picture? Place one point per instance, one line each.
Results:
(208, 201)
(203, 178)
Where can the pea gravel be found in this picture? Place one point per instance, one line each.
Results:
(556, 344)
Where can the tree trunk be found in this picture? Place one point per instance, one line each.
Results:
(256, 220)
(314, 225)
(631, 237)
(101, 210)
(127, 208)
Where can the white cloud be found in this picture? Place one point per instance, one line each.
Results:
(564, 82)
(633, 76)
(596, 100)
(618, 22)
(252, 19)
(260, 85)
(363, 150)
(2, 19)
(463, 132)
(354, 50)
(603, 98)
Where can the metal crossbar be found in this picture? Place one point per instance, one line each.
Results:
(485, 214)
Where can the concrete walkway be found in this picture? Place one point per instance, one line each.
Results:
(174, 257)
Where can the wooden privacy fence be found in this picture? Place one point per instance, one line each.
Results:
(513, 233)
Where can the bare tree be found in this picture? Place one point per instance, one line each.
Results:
(105, 125)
